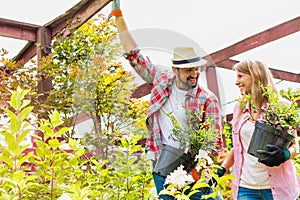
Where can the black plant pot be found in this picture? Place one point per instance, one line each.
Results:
(265, 134)
(170, 159)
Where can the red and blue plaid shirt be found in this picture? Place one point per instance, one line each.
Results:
(198, 98)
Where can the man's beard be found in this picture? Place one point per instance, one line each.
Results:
(186, 82)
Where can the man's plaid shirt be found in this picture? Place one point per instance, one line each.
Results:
(197, 99)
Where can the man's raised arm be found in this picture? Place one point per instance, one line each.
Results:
(126, 38)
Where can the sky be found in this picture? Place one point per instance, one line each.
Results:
(210, 24)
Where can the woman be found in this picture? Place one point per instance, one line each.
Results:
(253, 179)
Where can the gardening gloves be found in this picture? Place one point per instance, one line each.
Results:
(213, 182)
(274, 156)
(115, 11)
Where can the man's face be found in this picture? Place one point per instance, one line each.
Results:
(186, 78)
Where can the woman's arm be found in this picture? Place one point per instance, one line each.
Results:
(293, 150)
(229, 160)
(294, 146)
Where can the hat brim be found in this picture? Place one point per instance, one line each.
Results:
(191, 64)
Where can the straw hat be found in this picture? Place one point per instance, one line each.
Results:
(185, 57)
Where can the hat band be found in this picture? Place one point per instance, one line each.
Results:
(181, 62)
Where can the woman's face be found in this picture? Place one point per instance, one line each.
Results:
(244, 82)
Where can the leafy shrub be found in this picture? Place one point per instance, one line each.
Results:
(55, 168)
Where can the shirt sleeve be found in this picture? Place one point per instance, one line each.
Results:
(143, 66)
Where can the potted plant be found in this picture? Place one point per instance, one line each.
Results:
(196, 139)
(191, 140)
(280, 118)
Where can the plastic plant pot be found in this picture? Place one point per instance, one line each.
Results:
(265, 134)
(170, 159)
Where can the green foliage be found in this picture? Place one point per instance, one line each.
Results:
(194, 138)
(86, 78)
(131, 175)
(181, 188)
(62, 167)
(198, 138)
(227, 131)
(281, 114)
(14, 75)
(81, 64)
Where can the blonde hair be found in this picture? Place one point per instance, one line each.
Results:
(261, 78)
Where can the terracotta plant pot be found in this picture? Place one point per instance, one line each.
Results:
(170, 159)
(265, 134)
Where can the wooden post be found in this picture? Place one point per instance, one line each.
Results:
(43, 49)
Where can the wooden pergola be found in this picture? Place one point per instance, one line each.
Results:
(39, 39)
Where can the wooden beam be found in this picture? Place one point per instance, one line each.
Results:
(18, 30)
(43, 44)
(76, 16)
(264, 37)
(284, 75)
(212, 80)
(142, 90)
(278, 74)
(28, 52)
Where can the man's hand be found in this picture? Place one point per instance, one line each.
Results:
(274, 156)
(213, 182)
(115, 11)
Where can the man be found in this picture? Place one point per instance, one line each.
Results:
(177, 92)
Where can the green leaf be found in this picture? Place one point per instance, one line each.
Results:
(72, 143)
(9, 182)
(24, 158)
(58, 162)
(15, 125)
(18, 176)
(25, 113)
(73, 161)
(9, 138)
(55, 119)
(131, 161)
(40, 143)
(124, 143)
(26, 102)
(23, 134)
(62, 131)
(7, 160)
(54, 143)
(48, 131)
(20, 149)
(17, 98)
(80, 153)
